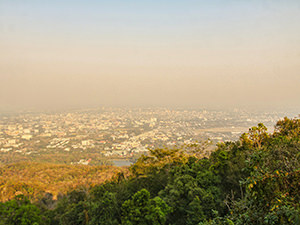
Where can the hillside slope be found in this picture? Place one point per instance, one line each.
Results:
(34, 179)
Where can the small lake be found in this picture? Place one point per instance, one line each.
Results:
(121, 162)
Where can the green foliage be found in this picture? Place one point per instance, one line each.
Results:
(71, 209)
(144, 211)
(193, 191)
(76, 213)
(289, 128)
(253, 181)
(158, 160)
(19, 211)
(105, 211)
(272, 188)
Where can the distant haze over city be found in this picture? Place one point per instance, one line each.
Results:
(219, 54)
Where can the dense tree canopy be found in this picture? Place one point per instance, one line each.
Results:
(254, 180)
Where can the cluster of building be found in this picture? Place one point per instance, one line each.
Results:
(119, 132)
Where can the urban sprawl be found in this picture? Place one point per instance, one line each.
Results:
(103, 135)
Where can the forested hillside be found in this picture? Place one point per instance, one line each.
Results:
(254, 180)
(33, 180)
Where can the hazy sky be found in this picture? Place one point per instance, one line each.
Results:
(226, 53)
